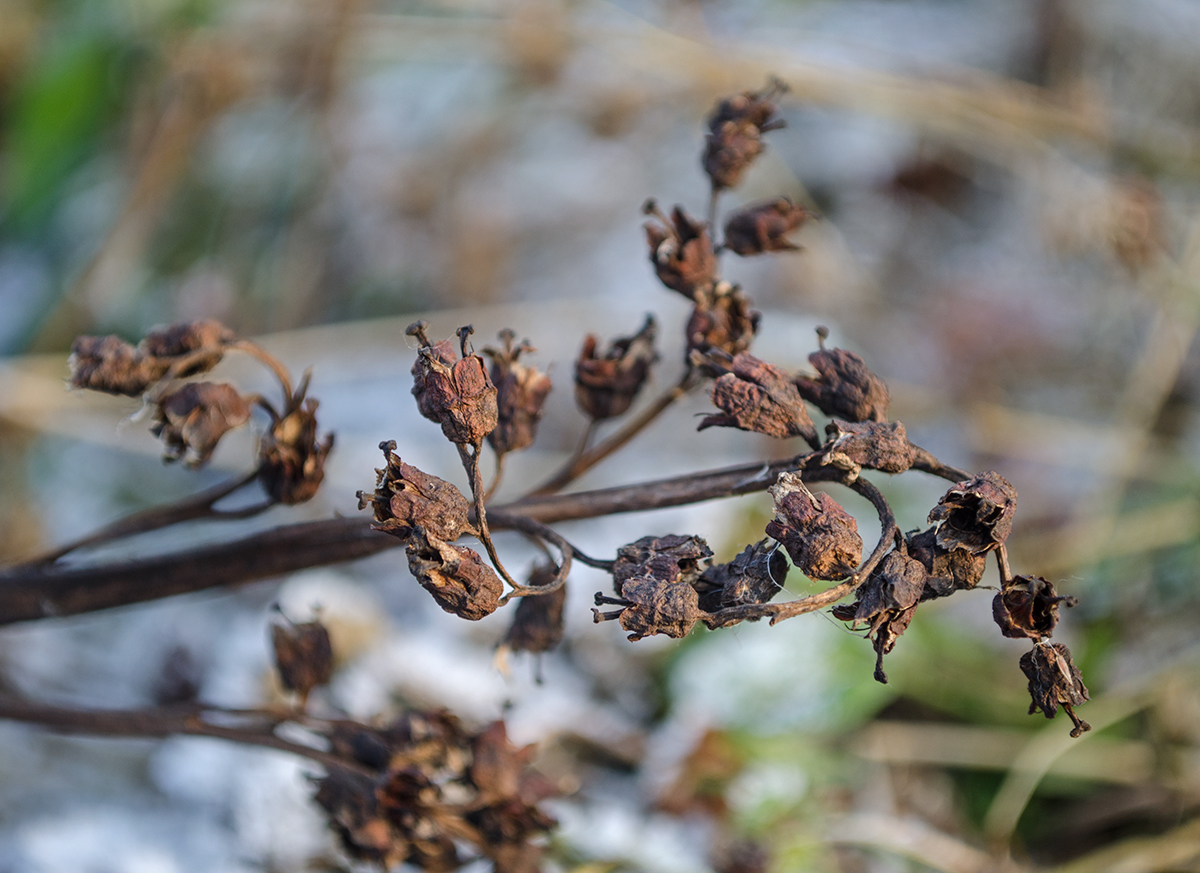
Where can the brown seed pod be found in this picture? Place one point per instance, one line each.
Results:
(845, 387)
(735, 133)
(671, 558)
(681, 250)
(759, 397)
(537, 624)
(763, 227)
(651, 605)
(406, 497)
(821, 537)
(882, 446)
(606, 386)
(457, 394)
(520, 395)
(292, 460)
(886, 603)
(191, 420)
(1027, 608)
(755, 576)
(457, 577)
(111, 365)
(975, 515)
(949, 570)
(303, 655)
(722, 319)
(1055, 681)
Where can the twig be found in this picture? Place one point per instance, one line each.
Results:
(470, 461)
(927, 463)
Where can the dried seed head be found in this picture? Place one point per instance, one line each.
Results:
(882, 446)
(681, 250)
(520, 395)
(303, 655)
(722, 319)
(191, 420)
(844, 388)
(185, 338)
(605, 386)
(763, 227)
(949, 570)
(456, 576)
(406, 497)
(651, 605)
(975, 515)
(755, 576)
(821, 537)
(735, 133)
(537, 625)
(348, 798)
(671, 558)
(292, 461)
(1027, 607)
(759, 397)
(1055, 681)
(886, 603)
(457, 394)
(108, 364)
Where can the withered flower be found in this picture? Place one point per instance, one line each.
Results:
(1055, 681)
(520, 395)
(651, 605)
(605, 386)
(721, 319)
(1027, 607)
(975, 515)
(735, 133)
(191, 420)
(458, 395)
(457, 577)
(844, 388)
(821, 537)
(681, 250)
(537, 624)
(763, 227)
(201, 342)
(348, 798)
(303, 655)
(886, 603)
(671, 558)
(755, 576)
(292, 461)
(949, 570)
(111, 365)
(882, 446)
(406, 497)
(759, 397)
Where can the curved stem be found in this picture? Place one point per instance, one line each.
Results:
(496, 477)
(927, 463)
(1003, 566)
(589, 458)
(540, 531)
(470, 461)
(256, 351)
(158, 517)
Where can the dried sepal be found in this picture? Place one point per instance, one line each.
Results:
(755, 576)
(303, 655)
(406, 497)
(757, 396)
(652, 605)
(681, 250)
(456, 393)
(721, 319)
(192, 419)
(821, 537)
(975, 515)
(882, 446)
(735, 133)
(605, 386)
(291, 458)
(537, 624)
(845, 387)
(1055, 681)
(949, 570)
(521, 393)
(1027, 608)
(457, 577)
(671, 558)
(763, 227)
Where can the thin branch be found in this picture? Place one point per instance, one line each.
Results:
(927, 463)
(470, 461)
(272, 363)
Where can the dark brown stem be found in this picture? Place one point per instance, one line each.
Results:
(585, 460)
(470, 461)
(273, 364)
(713, 196)
(497, 475)
(1003, 566)
(927, 463)
(538, 530)
(198, 506)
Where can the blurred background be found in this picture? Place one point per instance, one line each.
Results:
(1010, 236)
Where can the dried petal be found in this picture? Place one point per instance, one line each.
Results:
(406, 497)
(1055, 681)
(1027, 607)
(671, 558)
(605, 387)
(755, 576)
(821, 537)
(949, 570)
(456, 576)
(975, 515)
(537, 625)
(191, 420)
(762, 227)
(882, 446)
(520, 395)
(845, 388)
(303, 655)
(722, 319)
(735, 133)
(108, 364)
(292, 461)
(759, 397)
(681, 250)
(457, 394)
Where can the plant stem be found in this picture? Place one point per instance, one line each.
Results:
(470, 461)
